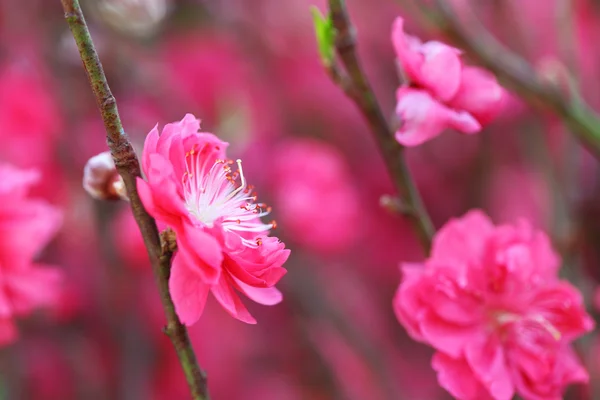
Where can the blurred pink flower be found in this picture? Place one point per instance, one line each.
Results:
(490, 301)
(222, 244)
(441, 92)
(29, 119)
(129, 242)
(26, 226)
(423, 118)
(319, 207)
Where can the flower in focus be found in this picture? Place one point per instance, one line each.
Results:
(490, 302)
(26, 226)
(223, 246)
(458, 96)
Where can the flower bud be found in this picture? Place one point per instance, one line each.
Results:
(140, 18)
(101, 179)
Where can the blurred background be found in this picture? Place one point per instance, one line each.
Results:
(250, 71)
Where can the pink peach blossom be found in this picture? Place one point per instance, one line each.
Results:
(440, 92)
(422, 117)
(26, 226)
(490, 302)
(223, 247)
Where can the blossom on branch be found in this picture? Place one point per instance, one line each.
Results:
(490, 302)
(223, 246)
(454, 90)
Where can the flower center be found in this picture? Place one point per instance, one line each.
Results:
(216, 193)
(527, 326)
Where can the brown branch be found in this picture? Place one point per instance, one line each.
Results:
(359, 90)
(517, 74)
(128, 167)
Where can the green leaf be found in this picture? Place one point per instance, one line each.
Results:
(325, 35)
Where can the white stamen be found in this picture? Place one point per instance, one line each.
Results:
(214, 195)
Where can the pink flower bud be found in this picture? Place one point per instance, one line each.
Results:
(101, 179)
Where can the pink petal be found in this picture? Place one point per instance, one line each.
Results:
(149, 148)
(265, 296)
(448, 337)
(562, 306)
(33, 287)
(26, 227)
(488, 364)
(479, 94)
(434, 66)
(227, 297)
(441, 70)
(455, 375)
(463, 239)
(202, 251)
(188, 291)
(422, 118)
(407, 304)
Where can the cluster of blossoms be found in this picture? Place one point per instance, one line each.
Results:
(441, 92)
(490, 302)
(223, 246)
(26, 226)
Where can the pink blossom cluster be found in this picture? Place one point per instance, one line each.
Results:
(26, 227)
(440, 91)
(489, 300)
(223, 246)
(250, 69)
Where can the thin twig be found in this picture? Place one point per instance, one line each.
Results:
(128, 167)
(518, 75)
(360, 91)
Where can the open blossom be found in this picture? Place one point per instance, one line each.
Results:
(223, 246)
(490, 302)
(459, 97)
(26, 226)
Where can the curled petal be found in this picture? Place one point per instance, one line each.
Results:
(265, 296)
(226, 296)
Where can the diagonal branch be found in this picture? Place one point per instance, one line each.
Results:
(129, 168)
(518, 75)
(357, 87)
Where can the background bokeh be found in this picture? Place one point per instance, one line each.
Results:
(250, 71)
